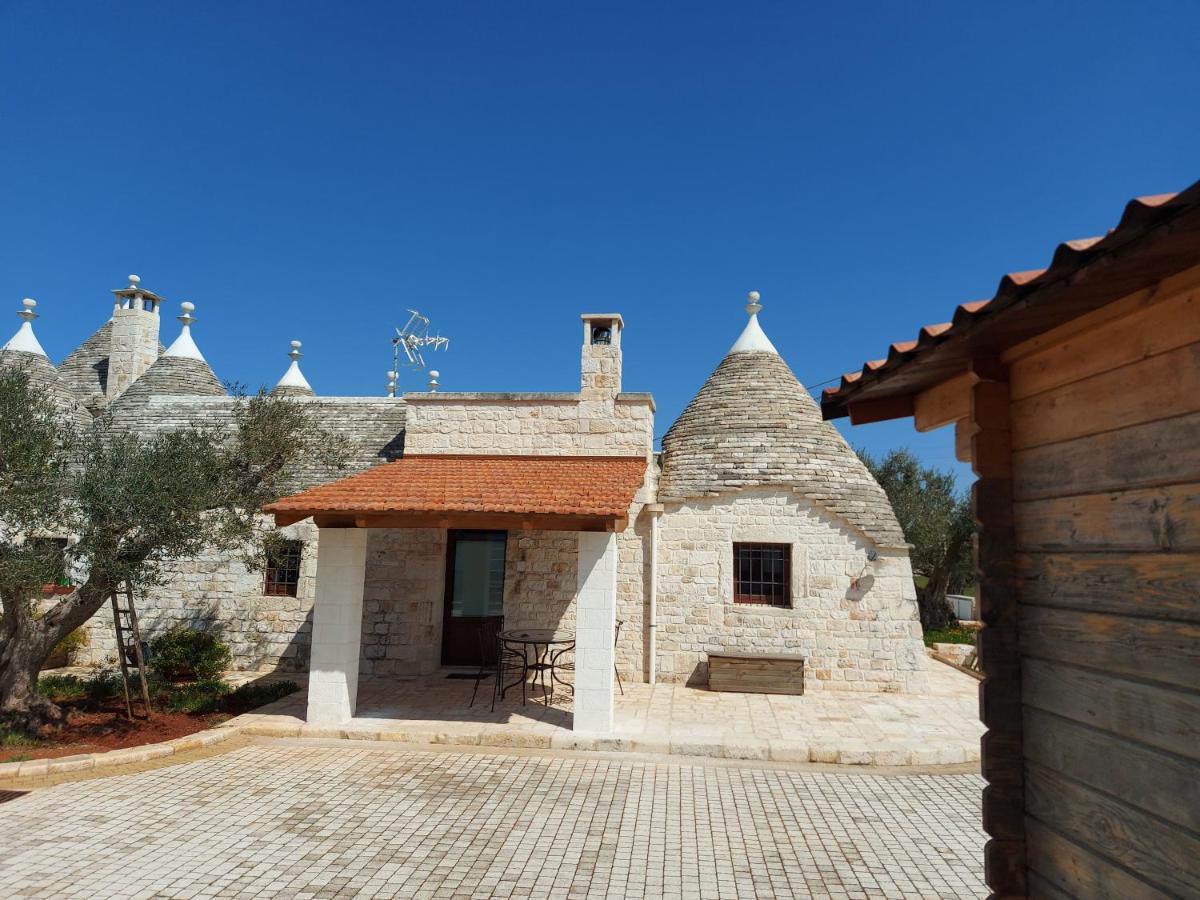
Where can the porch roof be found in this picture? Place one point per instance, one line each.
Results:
(569, 493)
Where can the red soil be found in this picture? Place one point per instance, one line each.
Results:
(107, 728)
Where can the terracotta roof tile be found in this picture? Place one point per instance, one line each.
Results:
(602, 486)
(1140, 216)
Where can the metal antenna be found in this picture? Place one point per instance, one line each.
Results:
(413, 338)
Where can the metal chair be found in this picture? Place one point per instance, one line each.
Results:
(497, 662)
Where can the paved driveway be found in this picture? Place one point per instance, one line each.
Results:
(294, 820)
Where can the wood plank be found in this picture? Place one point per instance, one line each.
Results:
(1160, 717)
(1080, 872)
(866, 411)
(1165, 518)
(964, 430)
(1161, 854)
(1148, 455)
(1041, 889)
(1144, 391)
(1155, 650)
(1155, 585)
(1159, 783)
(1146, 329)
(943, 403)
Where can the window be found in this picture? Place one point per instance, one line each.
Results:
(283, 568)
(762, 573)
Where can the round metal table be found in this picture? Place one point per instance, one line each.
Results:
(540, 641)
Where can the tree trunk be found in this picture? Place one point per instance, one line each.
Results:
(27, 643)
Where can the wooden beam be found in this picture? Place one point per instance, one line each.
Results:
(289, 518)
(866, 411)
(943, 403)
(964, 430)
(479, 520)
(1000, 707)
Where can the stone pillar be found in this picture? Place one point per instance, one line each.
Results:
(337, 625)
(596, 616)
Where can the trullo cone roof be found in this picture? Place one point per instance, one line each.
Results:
(753, 424)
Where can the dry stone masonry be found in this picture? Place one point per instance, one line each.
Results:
(748, 461)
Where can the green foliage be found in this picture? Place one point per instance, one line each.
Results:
(197, 698)
(189, 654)
(955, 634)
(101, 686)
(936, 519)
(252, 696)
(72, 643)
(17, 737)
(61, 687)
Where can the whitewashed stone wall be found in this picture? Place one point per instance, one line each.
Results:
(218, 590)
(852, 640)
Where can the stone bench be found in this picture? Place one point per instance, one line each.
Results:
(756, 673)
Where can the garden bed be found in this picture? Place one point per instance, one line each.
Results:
(96, 719)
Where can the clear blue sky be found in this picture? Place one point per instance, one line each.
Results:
(311, 170)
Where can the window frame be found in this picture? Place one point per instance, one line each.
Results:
(777, 599)
(288, 586)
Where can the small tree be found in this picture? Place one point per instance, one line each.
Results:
(130, 503)
(936, 519)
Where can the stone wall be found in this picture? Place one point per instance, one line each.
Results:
(535, 424)
(218, 590)
(866, 640)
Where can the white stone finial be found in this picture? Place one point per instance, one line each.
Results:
(434, 374)
(293, 377)
(134, 280)
(185, 345)
(25, 340)
(753, 338)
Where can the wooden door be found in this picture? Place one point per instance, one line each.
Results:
(474, 592)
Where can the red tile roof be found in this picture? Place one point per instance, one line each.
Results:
(589, 486)
(1156, 236)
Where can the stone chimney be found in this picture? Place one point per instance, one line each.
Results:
(600, 368)
(134, 346)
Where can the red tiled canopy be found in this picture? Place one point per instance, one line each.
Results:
(578, 493)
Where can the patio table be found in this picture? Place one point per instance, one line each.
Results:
(539, 641)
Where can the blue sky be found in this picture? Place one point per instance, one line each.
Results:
(311, 171)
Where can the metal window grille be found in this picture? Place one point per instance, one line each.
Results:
(283, 569)
(762, 573)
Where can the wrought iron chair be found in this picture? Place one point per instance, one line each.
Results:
(498, 661)
(568, 665)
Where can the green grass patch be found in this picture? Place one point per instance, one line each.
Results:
(15, 737)
(955, 634)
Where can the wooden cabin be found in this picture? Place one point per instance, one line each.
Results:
(1074, 393)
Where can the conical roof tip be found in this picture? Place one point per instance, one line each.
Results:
(184, 345)
(293, 381)
(753, 339)
(25, 340)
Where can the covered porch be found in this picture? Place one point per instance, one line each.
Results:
(584, 501)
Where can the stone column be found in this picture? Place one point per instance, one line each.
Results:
(596, 615)
(337, 625)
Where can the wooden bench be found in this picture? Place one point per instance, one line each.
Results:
(756, 673)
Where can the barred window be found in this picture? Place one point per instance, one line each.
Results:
(762, 573)
(283, 568)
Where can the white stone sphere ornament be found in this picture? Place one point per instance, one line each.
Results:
(753, 306)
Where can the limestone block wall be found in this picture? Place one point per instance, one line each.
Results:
(864, 640)
(536, 424)
(402, 601)
(217, 589)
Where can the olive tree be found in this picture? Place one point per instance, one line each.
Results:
(936, 519)
(129, 503)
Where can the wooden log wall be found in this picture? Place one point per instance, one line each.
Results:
(1105, 436)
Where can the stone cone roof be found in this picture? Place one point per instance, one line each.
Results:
(291, 390)
(85, 371)
(43, 374)
(753, 424)
(172, 376)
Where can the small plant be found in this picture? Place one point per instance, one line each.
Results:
(189, 654)
(198, 698)
(101, 686)
(16, 737)
(70, 645)
(252, 696)
(61, 687)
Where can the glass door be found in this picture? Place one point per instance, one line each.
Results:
(474, 592)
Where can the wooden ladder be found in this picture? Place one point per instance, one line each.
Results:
(129, 648)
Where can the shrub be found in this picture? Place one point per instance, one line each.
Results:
(71, 644)
(101, 686)
(60, 687)
(198, 698)
(189, 654)
(955, 634)
(252, 696)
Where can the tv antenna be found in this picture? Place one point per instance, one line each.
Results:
(413, 339)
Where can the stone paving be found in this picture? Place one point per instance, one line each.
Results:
(940, 727)
(297, 820)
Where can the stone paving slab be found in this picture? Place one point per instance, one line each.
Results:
(940, 727)
(381, 821)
